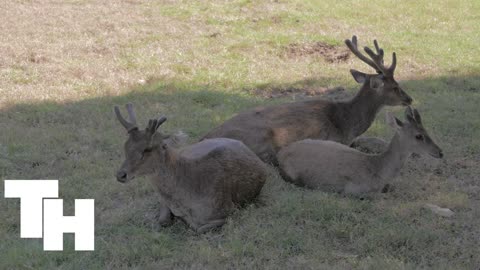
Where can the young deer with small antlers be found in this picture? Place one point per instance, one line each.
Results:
(201, 183)
(266, 130)
(331, 166)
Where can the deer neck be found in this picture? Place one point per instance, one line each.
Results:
(392, 160)
(359, 113)
(164, 171)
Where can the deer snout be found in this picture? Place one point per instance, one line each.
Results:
(122, 176)
(407, 100)
(438, 153)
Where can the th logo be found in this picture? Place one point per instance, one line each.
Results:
(42, 217)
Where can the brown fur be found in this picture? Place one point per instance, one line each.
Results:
(266, 130)
(201, 183)
(331, 166)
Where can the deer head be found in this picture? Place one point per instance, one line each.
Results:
(413, 135)
(383, 83)
(142, 147)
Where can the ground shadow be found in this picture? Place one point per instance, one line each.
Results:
(80, 143)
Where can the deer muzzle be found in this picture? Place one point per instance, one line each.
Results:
(438, 154)
(407, 100)
(122, 176)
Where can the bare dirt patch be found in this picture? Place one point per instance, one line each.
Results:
(332, 54)
(37, 58)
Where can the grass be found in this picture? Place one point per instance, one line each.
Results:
(64, 64)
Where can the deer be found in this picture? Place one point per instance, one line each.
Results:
(333, 167)
(265, 130)
(201, 183)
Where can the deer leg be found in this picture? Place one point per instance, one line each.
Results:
(211, 225)
(165, 216)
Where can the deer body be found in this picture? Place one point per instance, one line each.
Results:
(206, 181)
(266, 130)
(201, 183)
(329, 173)
(334, 167)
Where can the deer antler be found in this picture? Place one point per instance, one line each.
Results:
(376, 60)
(153, 124)
(132, 123)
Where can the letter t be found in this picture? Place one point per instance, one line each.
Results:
(31, 194)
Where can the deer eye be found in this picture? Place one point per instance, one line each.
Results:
(396, 89)
(145, 152)
(419, 137)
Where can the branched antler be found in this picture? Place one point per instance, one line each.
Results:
(376, 60)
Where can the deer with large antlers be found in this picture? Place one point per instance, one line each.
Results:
(266, 130)
(201, 183)
(330, 166)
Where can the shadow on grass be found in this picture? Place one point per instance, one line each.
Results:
(80, 143)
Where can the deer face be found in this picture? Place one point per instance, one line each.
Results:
(384, 87)
(142, 149)
(414, 135)
(139, 156)
(392, 94)
(382, 83)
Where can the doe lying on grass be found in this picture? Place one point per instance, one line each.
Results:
(201, 183)
(331, 166)
(266, 130)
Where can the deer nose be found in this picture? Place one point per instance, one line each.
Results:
(121, 176)
(408, 100)
(440, 154)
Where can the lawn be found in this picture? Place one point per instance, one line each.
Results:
(65, 64)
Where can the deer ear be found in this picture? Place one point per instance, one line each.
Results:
(417, 116)
(359, 77)
(412, 115)
(376, 82)
(392, 121)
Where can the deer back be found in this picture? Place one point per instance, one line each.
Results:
(225, 168)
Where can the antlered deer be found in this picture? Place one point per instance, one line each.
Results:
(201, 183)
(331, 166)
(266, 130)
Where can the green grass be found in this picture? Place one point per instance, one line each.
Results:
(57, 122)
